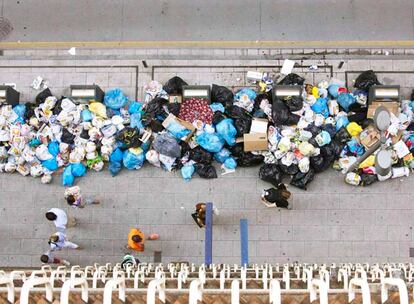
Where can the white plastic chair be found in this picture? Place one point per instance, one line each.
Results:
(37, 277)
(324, 275)
(8, 281)
(307, 277)
(235, 292)
(110, 285)
(58, 274)
(156, 286)
(222, 278)
(323, 291)
(402, 289)
(275, 296)
(363, 284)
(139, 276)
(196, 291)
(286, 278)
(18, 275)
(72, 283)
(243, 276)
(343, 275)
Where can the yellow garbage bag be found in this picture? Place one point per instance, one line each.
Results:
(315, 92)
(369, 162)
(354, 129)
(98, 108)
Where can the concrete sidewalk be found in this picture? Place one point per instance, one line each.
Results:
(331, 222)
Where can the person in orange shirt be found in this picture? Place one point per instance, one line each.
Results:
(136, 239)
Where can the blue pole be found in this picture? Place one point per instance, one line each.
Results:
(209, 234)
(244, 242)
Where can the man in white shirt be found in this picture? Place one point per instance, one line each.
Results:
(49, 258)
(60, 219)
(58, 241)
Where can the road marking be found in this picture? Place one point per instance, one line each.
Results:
(205, 44)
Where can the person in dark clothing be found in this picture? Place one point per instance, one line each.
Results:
(277, 197)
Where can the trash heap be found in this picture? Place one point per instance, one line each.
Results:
(293, 136)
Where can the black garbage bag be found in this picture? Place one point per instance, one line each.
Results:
(217, 117)
(222, 95)
(30, 107)
(85, 134)
(292, 79)
(324, 160)
(166, 144)
(129, 137)
(237, 150)
(330, 128)
(148, 120)
(58, 106)
(294, 103)
(412, 95)
(313, 129)
(185, 148)
(258, 100)
(365, 80)
(199, 155)
(41, 97)
(67, 137)
(156, 107)
(301, 180)
(174, 108)
(278, 196)
(206, 170)
(368, 179)
(367, 122)
(337, 148)
(342, 136)
(248, 159)
(271, 173)
(289, 170)
(174, 86)
(358, 117)
(242, 119)
(281, 114)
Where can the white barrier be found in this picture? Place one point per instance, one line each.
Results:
(196, 292)
(8, 281)
(110, 285)
(286, 278)
(156, 286)
(34, 280)
(235, 292)
(402, 289)
(275, 296)
(343, 275)
(74, 282)
(307, 277)
(363, 284)
(59, 273)
(323, 291)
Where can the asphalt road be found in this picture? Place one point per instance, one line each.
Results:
(213, 20)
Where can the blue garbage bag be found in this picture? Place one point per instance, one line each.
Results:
(226, 129)
(178, 130)
(246, 91)
(321, 107)
(116, 156)
(187, 172)
(345, 100)
(86, 115)
(355, 148)
(53, 148)
(333, 90)
(20, 110)
(134, 158)
(341, 122)
(212, 142)
(135, 121)
(115, 167)
(115, 99)
(50, 164)
(35, 142)
(222, 155)
(134, 107)
(217, 107)
(67, 177)
(230, 163)
(78, 169)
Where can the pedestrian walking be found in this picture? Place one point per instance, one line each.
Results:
(58, 241)
(136, 239)
(60, 219)
(199, 215)
(129, 260)
(49, 258)
(75, 199)
(277, 197)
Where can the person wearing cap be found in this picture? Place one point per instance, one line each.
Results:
(277, 197)
(75, 199)
(60, 219)
(49, 258)
(129, 260)
(136, 239)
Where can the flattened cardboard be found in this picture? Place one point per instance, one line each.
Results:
(255, 142)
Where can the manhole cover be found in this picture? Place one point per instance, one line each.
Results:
(5, 28)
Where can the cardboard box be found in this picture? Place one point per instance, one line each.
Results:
(369, 137)
(392, 106)
(255, 142)
(175, 99)
(259, 125)
(184, 123)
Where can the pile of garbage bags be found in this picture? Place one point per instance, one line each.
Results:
(306, 134)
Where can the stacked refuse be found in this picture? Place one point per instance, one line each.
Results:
(323, 127)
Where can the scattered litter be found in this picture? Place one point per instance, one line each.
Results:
(313, 67)
(287, 67)
(37, 83)
(72, 51)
